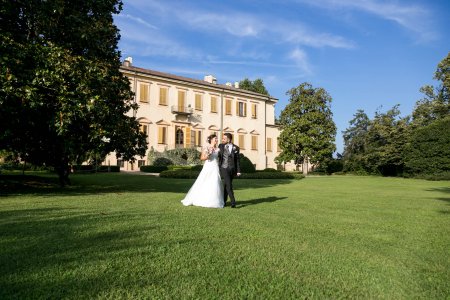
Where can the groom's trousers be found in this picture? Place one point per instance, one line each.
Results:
(227, 176)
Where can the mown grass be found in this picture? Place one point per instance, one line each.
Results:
(113, 236)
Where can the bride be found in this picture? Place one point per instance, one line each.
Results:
(207, 190)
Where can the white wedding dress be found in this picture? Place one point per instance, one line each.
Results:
(207, 190)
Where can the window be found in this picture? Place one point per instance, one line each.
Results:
(241, 109)
(278, 146)
(181, 100)
(198, 138)
(198, 102)
(141, 163)
(163, 95)
(254, 110)
(254, 142)
(228, 106)
(144, 92)
(162, 135)
(214, 104)
(179, 137)
(269, 144)
(242, 141)
(121, 163)
(144, 129)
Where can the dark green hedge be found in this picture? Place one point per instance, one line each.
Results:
(153, 169)
(92, 169)
(190, 174)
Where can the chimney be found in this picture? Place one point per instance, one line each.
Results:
(128, 61)
(236, 84)
(210, 79)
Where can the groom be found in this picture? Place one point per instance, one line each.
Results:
(229, 166)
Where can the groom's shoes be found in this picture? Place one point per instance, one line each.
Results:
(233, 205)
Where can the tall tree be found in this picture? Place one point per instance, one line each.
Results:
(308, 130)
(436, 103)
(385, 143)
(256, 86)
(62, 97)
(355, 142)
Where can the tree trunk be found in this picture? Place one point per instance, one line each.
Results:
(63, 171)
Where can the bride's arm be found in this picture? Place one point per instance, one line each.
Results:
(204, 155)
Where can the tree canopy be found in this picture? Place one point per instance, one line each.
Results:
(256, 86)
(63, 99)
(308, 130)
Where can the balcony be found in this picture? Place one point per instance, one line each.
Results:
(182, 110)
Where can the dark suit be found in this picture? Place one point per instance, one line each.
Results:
(229, 166)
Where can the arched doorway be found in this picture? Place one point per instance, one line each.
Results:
(179, 138)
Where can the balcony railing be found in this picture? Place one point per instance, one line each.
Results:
(182, 110)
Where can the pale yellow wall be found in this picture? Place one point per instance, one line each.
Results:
(152, 113)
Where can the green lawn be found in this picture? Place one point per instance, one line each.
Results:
(128, 236)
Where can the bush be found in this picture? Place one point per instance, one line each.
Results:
(153, 169)
(162, 162)
(187, 174)
(271, 175)
(246, 164)
(270, 170)
(108, 169)
(190, 174)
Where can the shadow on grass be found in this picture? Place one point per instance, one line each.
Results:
(445, 190)
(241, 204)
(67, 253)
(87, 184)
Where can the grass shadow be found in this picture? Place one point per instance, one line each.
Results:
(47, 184)
(242, 204)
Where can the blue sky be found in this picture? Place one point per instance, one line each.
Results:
(368, 54)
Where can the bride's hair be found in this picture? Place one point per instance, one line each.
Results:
(210, 138)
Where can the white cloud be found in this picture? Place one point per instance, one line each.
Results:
(301, 59)
(137, 20)
(412, 17)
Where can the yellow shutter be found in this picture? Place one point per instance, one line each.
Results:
(163, 96)
(241, 141)
(254, 111)
(181, 95)
(198, 102)
(254, 142)
(188, 137)
(269, 144)
(143, 92)
(228, 107)
(160, 135)
(213, 104)
(245, 109)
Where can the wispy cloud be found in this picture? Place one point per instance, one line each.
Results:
(137, 20)
(412, 17)
(301, 59)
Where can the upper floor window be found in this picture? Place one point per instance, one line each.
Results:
(163, 96)
(198, 102)
(144, 92)
(254, 111)
(241, 109)
(213, 104)
(228, 106)
(144, 129)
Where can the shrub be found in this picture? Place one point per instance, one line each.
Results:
(271, 175)
(162, 162)
(187, 174)
(270, 170)
(246, 164)
(153, 169)
(190, 174)
(108, 169)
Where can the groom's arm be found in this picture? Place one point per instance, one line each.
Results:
(238, 163)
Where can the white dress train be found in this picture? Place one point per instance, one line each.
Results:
(207, 190)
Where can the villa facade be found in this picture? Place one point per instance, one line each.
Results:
(176, 111)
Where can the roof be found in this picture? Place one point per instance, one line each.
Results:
(196, 81)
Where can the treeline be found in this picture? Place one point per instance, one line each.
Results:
(417, 145)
